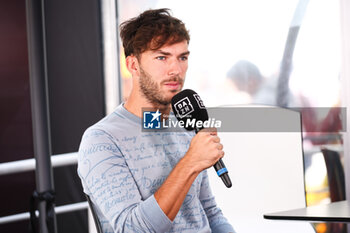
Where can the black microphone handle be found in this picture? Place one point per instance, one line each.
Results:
(222, 172)
(220, 169)
(185, 98)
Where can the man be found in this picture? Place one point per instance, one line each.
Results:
(246, 77)
(151, 181)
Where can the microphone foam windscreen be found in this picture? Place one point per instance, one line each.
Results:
(188, 106)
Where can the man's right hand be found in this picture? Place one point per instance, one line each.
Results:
(205, 150)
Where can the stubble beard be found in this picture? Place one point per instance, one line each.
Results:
(151, 90)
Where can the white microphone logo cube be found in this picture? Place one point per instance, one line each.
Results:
(199, 101)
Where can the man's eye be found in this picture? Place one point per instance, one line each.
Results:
(160, 58)
(184, 58)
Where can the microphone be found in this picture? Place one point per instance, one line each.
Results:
(188, 106)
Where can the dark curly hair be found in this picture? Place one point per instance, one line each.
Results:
(151, 30)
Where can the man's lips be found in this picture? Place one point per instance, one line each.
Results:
(172, 85)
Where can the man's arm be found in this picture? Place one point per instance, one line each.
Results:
(205, 150)
(107, 179)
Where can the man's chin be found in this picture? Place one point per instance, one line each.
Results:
(169, 94)
(175, 91)
(172, 93)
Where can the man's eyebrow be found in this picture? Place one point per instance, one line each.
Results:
(185, 53)
(167, 53)
(162, 52)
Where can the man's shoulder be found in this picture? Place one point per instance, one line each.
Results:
(114, 124)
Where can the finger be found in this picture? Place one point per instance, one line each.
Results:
(216, 139)
(211, 130)
(220, 146)
(222, 153)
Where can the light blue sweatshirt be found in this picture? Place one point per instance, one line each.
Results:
(121, 168)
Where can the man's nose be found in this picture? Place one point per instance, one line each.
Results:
(175, 67)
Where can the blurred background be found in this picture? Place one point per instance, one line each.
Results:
(280, 53)
(238, 49)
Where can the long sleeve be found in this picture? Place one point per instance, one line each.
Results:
(218, 223)
(107, 179)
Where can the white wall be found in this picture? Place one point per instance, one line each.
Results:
(266, 170)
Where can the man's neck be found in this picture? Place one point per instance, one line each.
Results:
(137, 105)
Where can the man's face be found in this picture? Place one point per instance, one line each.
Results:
(163, 71)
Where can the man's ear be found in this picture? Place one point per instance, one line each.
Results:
(132, 64)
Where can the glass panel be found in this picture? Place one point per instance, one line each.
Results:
(222, 35)
(236, 54)
(314, 83)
